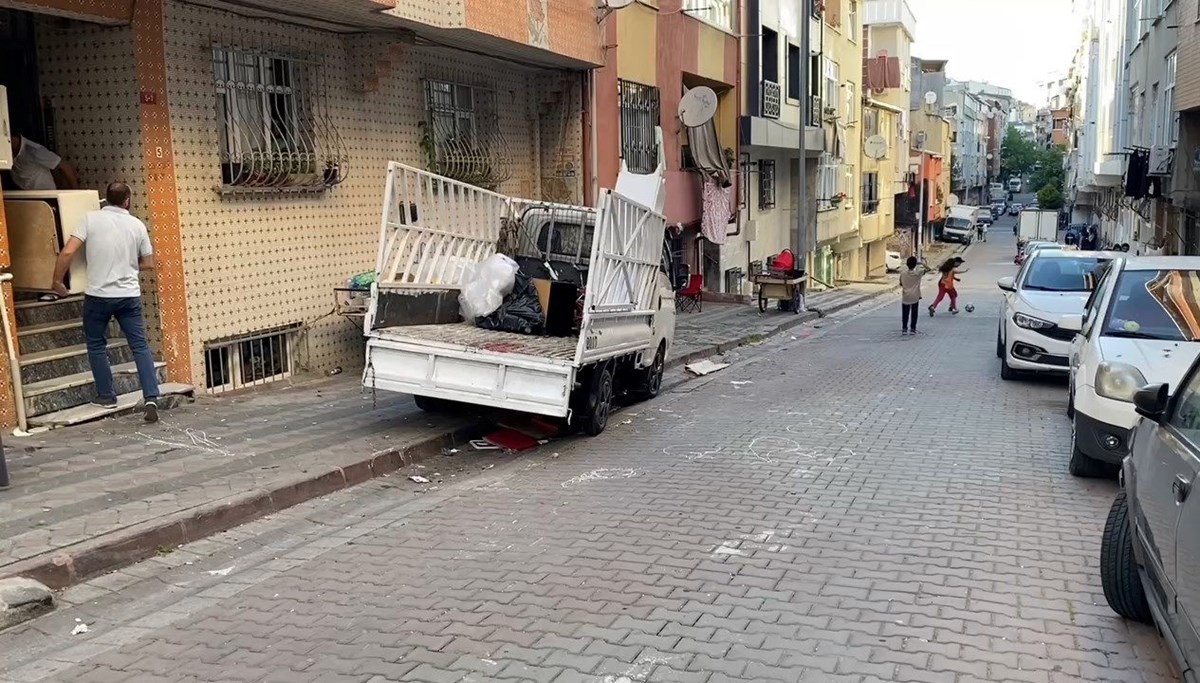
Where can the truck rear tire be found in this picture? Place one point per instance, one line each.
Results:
(652, 376)
(430, 404)
(597, 403)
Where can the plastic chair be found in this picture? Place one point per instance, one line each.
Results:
(689, 299)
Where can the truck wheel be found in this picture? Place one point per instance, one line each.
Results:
(430, 404)
(598, 402)
(1118, 566)
(653, 376)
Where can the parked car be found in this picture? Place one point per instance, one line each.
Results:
(984, 215)
(998, 209)
(1053, 283)
(894, 261)
(1140, 326)
(1150, 551)
(1032, 246)
(1015, 209)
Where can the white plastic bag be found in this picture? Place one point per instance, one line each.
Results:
(485, 284)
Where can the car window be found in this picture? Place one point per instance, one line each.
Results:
(1186, 416)
(1155, 304)
(1051, 274)
(1102, 281)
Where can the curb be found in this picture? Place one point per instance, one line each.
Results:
(112, 551)
(109, 552)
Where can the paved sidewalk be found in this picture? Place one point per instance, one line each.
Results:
(95, 497)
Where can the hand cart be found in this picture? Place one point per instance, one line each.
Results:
(787, 287)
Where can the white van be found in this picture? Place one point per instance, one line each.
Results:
(960, 224)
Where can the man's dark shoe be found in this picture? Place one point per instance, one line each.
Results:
(150, 411)
(105, 402)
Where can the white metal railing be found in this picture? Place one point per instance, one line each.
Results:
(719, 13)
(433, 227)
(881, 12)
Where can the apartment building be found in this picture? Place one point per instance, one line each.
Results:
(925, 199)
(889, 30)
(969, 114)
(778, 106)
(655, 52)
(1185, 186)
(256, 135)
(839, 179)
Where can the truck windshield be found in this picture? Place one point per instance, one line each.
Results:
(959, 223)
(1062, 274)
(1155, 304)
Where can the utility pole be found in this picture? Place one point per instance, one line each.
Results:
(920, 240)
(806, 106)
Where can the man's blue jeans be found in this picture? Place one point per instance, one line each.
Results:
(97, 312)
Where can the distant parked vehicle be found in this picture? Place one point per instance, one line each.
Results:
(1150, 551)
(894, 261)
(1140, 326)
(1014, 209)
(1014, 184)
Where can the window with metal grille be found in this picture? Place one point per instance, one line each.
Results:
(827, 182)
(766, 184)
(639, 117)
(870, 192)
(248, 361)
(460, 136)
(451, 109)
(271, 133)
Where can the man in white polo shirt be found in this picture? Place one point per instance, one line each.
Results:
(37, 168)
(116, 247)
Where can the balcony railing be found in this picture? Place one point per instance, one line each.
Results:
(883, 12)
(771, 93)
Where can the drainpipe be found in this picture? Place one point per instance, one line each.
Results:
(805, 108)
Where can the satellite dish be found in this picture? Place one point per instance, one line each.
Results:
(698, 106)
(931, 97)
(953, 200)
(615, 4)
(875, 147)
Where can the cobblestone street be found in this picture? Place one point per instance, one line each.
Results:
(841, 504)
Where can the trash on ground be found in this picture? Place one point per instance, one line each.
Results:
(79, 628)
(705, 367)
(221, 572)
(419, 479)
(481, 445)
(738, 383)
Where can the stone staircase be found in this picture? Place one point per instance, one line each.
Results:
(55, 376)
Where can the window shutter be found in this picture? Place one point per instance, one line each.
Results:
(833, 12)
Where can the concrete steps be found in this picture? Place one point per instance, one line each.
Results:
(170, 393)
(55, 375)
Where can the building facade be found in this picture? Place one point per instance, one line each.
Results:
(256, 140)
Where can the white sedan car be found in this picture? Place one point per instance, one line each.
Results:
(1141, 326)
(894, 262)
(1051, 284)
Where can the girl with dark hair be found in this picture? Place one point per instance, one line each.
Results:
(948, 274)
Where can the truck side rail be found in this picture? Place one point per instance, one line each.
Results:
(432, 227)
(623, 279)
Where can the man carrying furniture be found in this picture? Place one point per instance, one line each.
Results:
(116, 246)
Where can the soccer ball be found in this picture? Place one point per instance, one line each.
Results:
(969, 308)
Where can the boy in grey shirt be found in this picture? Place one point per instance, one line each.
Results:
(910, 294)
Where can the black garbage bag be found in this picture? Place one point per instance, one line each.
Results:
(521, 312)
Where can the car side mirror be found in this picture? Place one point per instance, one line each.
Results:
(1008, 284)
(1071, 323)
(1151, 401)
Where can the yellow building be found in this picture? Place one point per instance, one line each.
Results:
(889, 29)
(838, 171)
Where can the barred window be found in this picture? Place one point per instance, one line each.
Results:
(269, 133)
(639, 118)
(766, 184)
(460, 138)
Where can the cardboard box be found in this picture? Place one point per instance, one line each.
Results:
(558, 306)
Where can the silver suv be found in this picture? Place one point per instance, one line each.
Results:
(1150, 553)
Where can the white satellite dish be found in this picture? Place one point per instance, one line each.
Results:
(931, 97)
(875, 147)
(698, 106)
(953, 200)
(615, 4)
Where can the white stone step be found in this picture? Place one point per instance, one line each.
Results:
(77, 380)
(90, 412)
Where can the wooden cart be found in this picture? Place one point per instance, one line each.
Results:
(786, 288)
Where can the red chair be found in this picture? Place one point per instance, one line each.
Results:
(688, 299)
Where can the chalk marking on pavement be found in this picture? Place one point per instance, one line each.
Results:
(601, 474)
(199, 439)
(692, 453)
(639, 671)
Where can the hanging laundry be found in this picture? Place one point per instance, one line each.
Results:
(717, 209)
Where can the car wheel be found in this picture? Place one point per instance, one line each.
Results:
(1071, 403)
(1083, 465)
(999, 346)
(1007, 373)
(1118, 566)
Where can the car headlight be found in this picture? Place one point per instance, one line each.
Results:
(1118, 381)
(1031, 323)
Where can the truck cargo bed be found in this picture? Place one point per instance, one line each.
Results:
(467, 336)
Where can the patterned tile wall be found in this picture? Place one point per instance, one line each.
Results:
(95, 102)
(257, 263)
